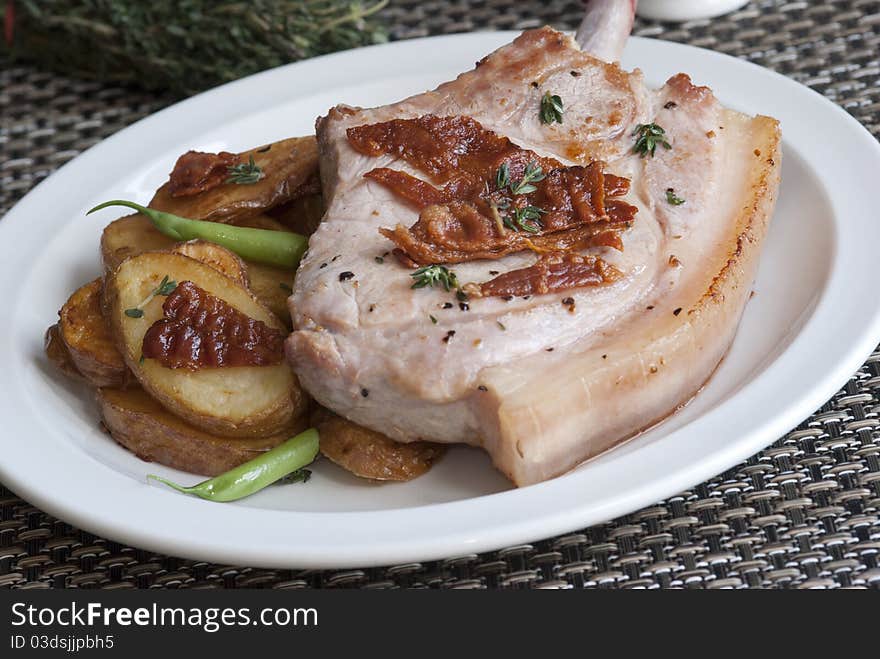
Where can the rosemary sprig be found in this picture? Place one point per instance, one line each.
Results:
(244, 173)
(551, 109)
(673, 198)
(165, 288)
(649, 137)
(434, 275)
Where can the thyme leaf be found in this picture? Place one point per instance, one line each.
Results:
(551, 109)
(165, 288)
(244, 173)
(648, 138)
(673, 198)
(434, 275)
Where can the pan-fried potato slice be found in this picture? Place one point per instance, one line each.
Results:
(57, 352)
(287, 166)
(241, 401)
(272, 287)
(369, 454)
(219, 258)
(87, 338)
(129, 236)
(135, 234)
(151, 432)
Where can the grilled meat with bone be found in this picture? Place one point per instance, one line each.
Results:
(574, 324)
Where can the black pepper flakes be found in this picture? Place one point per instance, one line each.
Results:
(372, 306)
(483, 387)
(526, 297)
(507, 298)
(365, 393)
(335, 257)
(575, 74)
(448, 336)
(568, 301)
(604, 356)
(464, 306)
(549, 349)
(671, 105)
(493, 272)
(676, 312)
(448, 305)
(535, 84)
(650, 307)
(345, 276)
(322, 266)
(379, 260)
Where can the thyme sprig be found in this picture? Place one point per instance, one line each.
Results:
(527, 218)
(244, 173)
(434, 275)
(551, 109)
(650, 136)
(165, 288)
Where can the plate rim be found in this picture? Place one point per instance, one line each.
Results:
(421, 541)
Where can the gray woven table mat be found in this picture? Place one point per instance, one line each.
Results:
(803, 513)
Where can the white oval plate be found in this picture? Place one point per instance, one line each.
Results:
(806, 330)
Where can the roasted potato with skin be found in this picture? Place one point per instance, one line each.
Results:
(82, 328)
(288, 167)
(370, 454)
(129, 236)
(219, 258)
(135, 234)
(241, 401)
(57, 352)
(151, 432)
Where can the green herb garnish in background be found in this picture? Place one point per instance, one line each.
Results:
(434, 275)
(672, 198)
(551, 109)
(649, 137)
(244, 173)
(165, 289)
(186, 46)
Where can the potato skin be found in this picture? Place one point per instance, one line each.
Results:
(58, 354)
(369, 454)
(230, 401)
(135, 234)
(144, 427)
(287, 165)
(219, 258)
(129, 236)
(86, 335)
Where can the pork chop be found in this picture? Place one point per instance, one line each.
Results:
(550, 334)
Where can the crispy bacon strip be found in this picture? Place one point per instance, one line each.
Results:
(199, 330)
(197, 171)
(551, 273)
(470, 216)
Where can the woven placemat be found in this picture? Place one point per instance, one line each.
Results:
(803, 513)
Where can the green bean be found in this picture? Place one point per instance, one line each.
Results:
(254, 475)
(278, 248)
